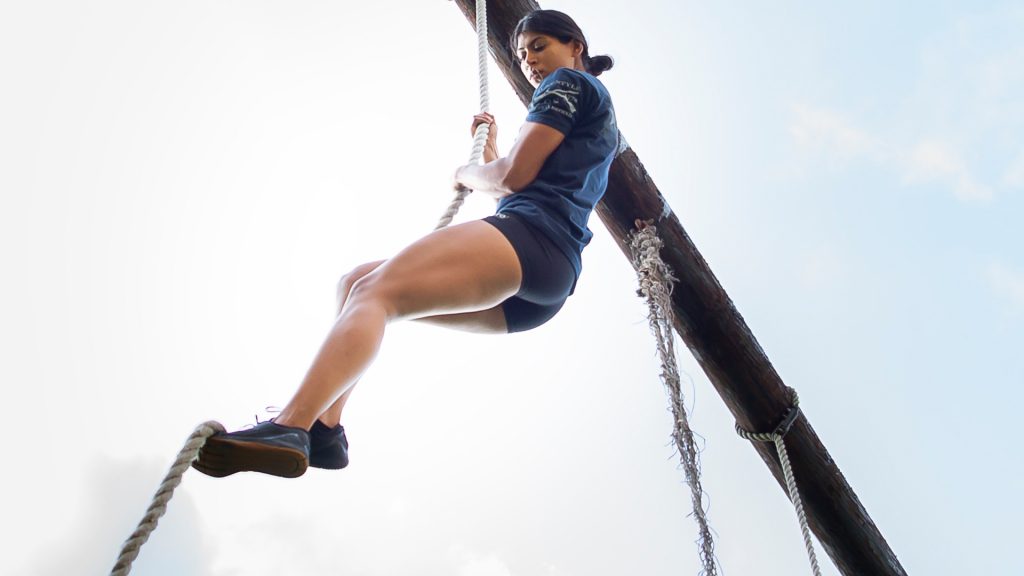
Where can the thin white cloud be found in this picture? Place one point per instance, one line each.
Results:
(1007, 283)
(961, 107)
(829, 130)
(472, 563)
(489, 565)
(929, 160)
(933, 160)
(552, 570)
(1014, 175)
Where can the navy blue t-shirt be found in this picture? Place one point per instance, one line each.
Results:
(574, 177)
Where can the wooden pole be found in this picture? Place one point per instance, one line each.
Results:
(718, 337)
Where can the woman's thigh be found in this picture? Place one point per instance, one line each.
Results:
(459, 269)
(489, 321)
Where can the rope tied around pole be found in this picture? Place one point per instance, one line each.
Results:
(656, 281)
(158, 506)
(777, 436)
(482, 130)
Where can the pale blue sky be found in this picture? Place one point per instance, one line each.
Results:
(182, 184)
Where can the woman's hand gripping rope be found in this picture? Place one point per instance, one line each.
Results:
(491, 147)
(490, 152)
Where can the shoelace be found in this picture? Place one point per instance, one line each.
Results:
(268, 410)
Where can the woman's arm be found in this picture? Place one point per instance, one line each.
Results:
(508, 175)
(490, 155)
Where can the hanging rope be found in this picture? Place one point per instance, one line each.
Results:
(777, 436)
(482, 130)
(656, 286)
(158, 507)
(131, 547)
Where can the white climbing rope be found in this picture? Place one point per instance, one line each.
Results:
(131, 547)
(777, 436)
(482, 130)
(656, 286)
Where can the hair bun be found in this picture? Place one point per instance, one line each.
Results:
(598, 64)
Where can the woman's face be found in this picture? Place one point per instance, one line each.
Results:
(540, 55)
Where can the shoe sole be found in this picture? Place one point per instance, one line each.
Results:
(223, 456)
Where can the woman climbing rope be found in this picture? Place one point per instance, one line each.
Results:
(509, 272)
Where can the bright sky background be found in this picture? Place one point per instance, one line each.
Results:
(184, 182)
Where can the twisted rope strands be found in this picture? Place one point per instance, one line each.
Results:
(778, 437)
(480, 137)
(656, 286)
(131, 547)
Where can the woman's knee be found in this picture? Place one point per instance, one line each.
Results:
(372, 289)
(348, 281)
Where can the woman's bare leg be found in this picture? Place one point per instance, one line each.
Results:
(332, 416)
(462, 269)
(490, 321)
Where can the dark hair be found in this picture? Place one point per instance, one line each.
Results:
(559, 25)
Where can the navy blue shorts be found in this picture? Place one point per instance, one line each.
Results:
(548, 276)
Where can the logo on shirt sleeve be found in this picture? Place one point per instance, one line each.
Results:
(562, 97)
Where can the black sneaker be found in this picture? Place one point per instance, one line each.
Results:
(267, 447)
(328, 447)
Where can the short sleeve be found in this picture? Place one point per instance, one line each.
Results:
(560, 100)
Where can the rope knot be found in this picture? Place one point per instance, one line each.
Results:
(781, 429)
(776, 436)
